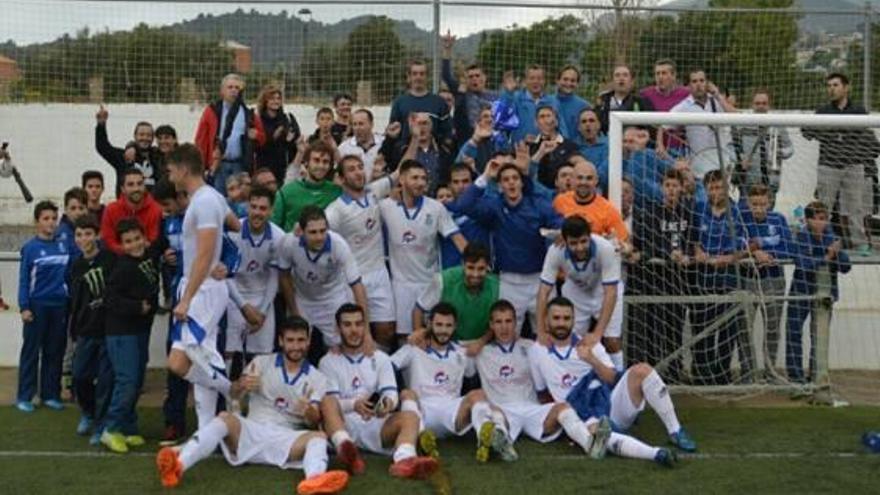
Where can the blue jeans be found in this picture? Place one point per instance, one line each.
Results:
(92, 378)
(42, 350)
(225, 170)
(794, 347)
(126, 358)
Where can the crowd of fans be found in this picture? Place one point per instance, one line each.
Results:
(496, 195)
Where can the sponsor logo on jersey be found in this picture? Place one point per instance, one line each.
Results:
(506, 371)
(370, 223)
(281, 404)
(408, 237)
(567, 380)
(441, 378)
(356, 383)
(312, 277)
(253, 266)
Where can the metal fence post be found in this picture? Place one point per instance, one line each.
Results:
(821, 340)
(435, 48)
(867, 49)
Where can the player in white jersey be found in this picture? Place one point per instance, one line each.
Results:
(358, 410)
(581, 373)
(506, 377)
(413, 225)
(284, 393)
(319, 274)
(251, 314)
(592, 275)
(355, 216)
(202, 300)
(435, 375)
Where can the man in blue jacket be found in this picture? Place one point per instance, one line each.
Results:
(525, 101)
(567, 103)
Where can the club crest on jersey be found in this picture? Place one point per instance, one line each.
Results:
(408, 237)
(441, 378)
(356, 383)
(506, 371)
(428, 219)
(281, 404)
(253, 266)
(370, 223)
(567, 380)
(312, 277)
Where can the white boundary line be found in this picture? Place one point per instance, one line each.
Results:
(681, 455)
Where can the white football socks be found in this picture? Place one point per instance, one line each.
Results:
(481, 412)
(315, 459)
(206, 404)
(203, 442)
(208, 378)
(575, 428)
(657, 395)
(340, 437)
(403, 452)
(627, 446)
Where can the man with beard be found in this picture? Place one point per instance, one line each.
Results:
(251, 314)
(435, 375)
(581, 373)
(316, 188)
(285, 392)
(358, 410)
(413, 225)
(459, 179)
(318, 274)
(139, 153)
(517, 216)
(364, 143)
(135, 202)
(356, 217)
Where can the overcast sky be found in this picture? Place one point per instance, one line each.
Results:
(29, 21)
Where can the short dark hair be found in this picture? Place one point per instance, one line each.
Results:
(532, 67)
(500, 306)
(258, 191)
(293, 324)
(317, 146)
(263, 170)
(143, 123)
(341, 96)
(411, 164)
(838, 75)
(473, 67)
(459, 167)
(76, 193)
(694, 71)
(759, 190)
(814, 208)
(309, 214)
(128, 225)
(444, 308)
(666, 61)
(673, 174)
(164, 190)
(565, 164)
(508, 166)
(324, 110)
(92, 174)
(575, 226)
(87, 221)
(187, 155)
(43, 206)
(714, 176)
(346, 309)
(475, 251)
(165, 130)
(131, 171)
(568, 67)
(414, 61)
(366, 112)
(560, 301)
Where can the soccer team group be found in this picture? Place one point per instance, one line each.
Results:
(320, 375)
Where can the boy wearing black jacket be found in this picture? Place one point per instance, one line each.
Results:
(131, 302)
(92, 374)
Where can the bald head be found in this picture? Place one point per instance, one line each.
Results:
(586, 178)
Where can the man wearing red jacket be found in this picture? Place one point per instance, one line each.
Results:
(226, 133)
(135, 202)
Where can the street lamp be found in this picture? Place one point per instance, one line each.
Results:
(306, 16)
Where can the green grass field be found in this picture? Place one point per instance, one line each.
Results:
(741, 450)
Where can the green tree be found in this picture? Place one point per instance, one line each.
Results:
(373, 52)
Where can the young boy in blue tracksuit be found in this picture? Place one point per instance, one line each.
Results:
(770, 241)
(816, 248)
(42, 299)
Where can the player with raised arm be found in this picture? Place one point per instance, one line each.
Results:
(202, 299)
(355, 216)
(358, 409)
(284, 393)
(435, 375)
(580, 372)
(318, 274)
(413, 225)
(506, 377)
(592, 272)
(251, 313)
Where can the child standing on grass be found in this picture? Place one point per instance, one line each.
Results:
(92, 374)
(131, 300)
(42, 298)
(816, 247)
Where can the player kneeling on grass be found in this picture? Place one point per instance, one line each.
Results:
(435, 375)
(582, 374)
(285, 393)
(358, 409)
(506, 377)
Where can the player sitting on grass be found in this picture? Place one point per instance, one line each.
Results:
(506, 377)
(284, 392)
(584, 376)
(358, 409)
(435, 375)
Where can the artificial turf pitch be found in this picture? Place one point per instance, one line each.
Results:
(742, 450)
